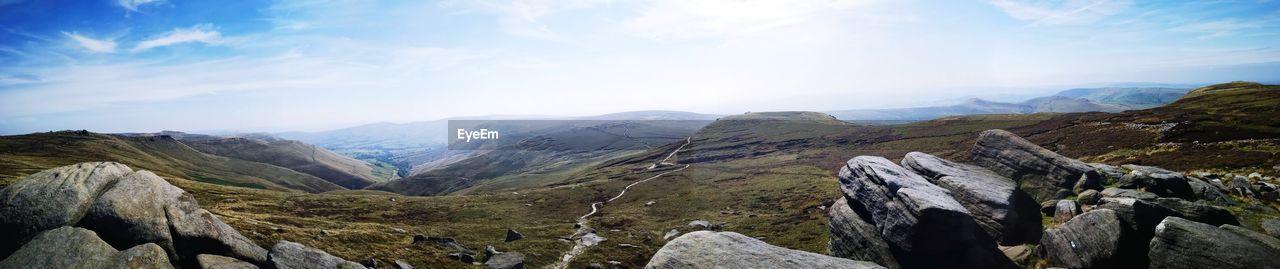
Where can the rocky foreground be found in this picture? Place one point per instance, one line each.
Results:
(105, 215)
(929, 212)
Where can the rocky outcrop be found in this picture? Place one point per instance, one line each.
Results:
(913, 215)
(855, 239)
(1207, 214)
(71, 247)
(1208, 192)
(1180, 243)
(1091, 240)
(1004, 212)
(288, 255)
(1065, 210)
(50, 199)
(1128, 193)
(1042, 173)
(1161, 182)
(127, 210)
(704, 249)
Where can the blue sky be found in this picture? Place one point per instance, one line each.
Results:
(149, 65)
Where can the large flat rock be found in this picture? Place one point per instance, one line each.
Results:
(1040, 172)
(1181, 243)
(706, 249)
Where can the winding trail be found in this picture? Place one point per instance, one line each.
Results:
(585, 236)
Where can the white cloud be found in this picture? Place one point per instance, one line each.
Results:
(1065, 12)
(679, 19)
(198, 33)
(1219, 28)
(94, 45)
(133, 5)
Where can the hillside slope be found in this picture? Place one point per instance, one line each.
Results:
(164, 155)
(316, 161)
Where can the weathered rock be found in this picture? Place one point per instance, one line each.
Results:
(1041, 173)
(1065, 210)
(288, 255)
(506, 260)
(1089, 197)
(71, 247)
(1020, 254)
(1208, 214)
(912, 215)
(1048, 206)
(1271, 226)
(1127, 193)
(132, 212)
(705, 249)
(1163, 183)
(447, 242)
(398, 264)
(1091, 240)
(1091, 180)
(670, 234)
(1004, 212)
(1240, 185)
(1180, 243)
(1109, 173)
(513, 235)
(196, 231)
(369, 263)
(223, 262)
(1205, 191)
(51, 198)
(1141, 216)
(697, 225)
(462, 257)
(855, 239)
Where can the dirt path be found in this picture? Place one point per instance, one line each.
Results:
(585, 237)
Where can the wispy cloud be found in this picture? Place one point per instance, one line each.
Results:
(1068, 12)
(525, 17)
(199, 33)
(94, 45)
(677, 19)
(133, 5)
(1218, 28)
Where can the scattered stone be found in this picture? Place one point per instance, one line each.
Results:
(628, 246)
(1089, 197)
(489, 251)
(1041, 173)
(398, 230)
(1205, 191)
(731, 250)
(1180, 243)
(699, 225)
(855, 239)
(506, 260)
(650, 203)
(447, 242)
(910, 213)
(1091, 180)
(1004, 212)
(207, 261)
(513, 235)
(72, 247)
(370, 263)
(462, 257)
(1240, 185)
(288, 255)
(1065, 210)
(1091, 240)
(398, 264)
(1127, 193)
(670, 234)
(595, 265)
(591, 239)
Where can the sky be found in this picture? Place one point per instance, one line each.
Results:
(255, 65)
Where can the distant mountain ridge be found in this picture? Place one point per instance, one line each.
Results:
(1110, 99)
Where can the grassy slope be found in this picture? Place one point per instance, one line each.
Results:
(312, 160)
(25, 154)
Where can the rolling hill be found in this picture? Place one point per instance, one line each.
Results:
(316, 161)
(1113, 99)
